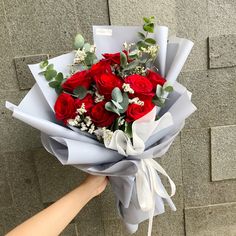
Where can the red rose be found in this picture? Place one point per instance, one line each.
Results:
(105, 83)
(81, 78)
(155, 79)
(113, 58)
(136, 111)
(87, 100)
(140, 84)
(100, 116)
(65, 107)
(101, 67)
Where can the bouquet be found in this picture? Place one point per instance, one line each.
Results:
(110, 108)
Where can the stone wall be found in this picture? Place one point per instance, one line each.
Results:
(202, 160)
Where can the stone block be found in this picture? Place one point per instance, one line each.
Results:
(223, 152)
(222, 51)
(198, 188)
(213, 220)
(135, 10)
(192, 17)
(8, 78)
(41, 27)
(221, 17)
(91, 227)
(95, 13)
(55, 180)
(24, 76)
(214, 96)
(70, 230)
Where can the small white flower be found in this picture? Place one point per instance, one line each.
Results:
(79, 56)
(151, 50)
(83, 127)
(88, 121)
(92, 48)
(92, 128)
(137, 101)
(71, 122)
(107, 136)
(121, 122)
(81, 110)
(127, 88)
(98, 97)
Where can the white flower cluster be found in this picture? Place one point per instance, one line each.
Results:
(98, 97)
(127, 46)
(80, 56)
(140, 70)
(104, 134)
(151, 50)
(127, 88)
(81, 110)
(137, 101)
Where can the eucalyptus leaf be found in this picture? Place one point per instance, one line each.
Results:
(128, 129)
(159, 91)
(109, 106)
(50, 67)
(118, 106)
(142, 44)
(124, 103)
(79, 41)
(59, 77)
(141, 35)
(117, 95)
(86, 47)
(58, 90)
(149, 27)
(43, 64)
(147, 20)
(123, 59)
(158, 101)
(50, 74)
(132, 65)
(150, 40)
(54, 84)
(168, 87)
(90, 58)
(80, 92)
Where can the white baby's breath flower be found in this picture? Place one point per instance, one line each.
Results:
(92, 48)
(137, 101)
(127, 88)
(107, 136)
(71, 122)
(83, 127)
(88, 121)
(81, 110)
(98, 97)
(151, 50)
(79, 56)
(92, 128)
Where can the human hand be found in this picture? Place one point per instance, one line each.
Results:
(95, 184)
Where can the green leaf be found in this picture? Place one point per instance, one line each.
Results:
(168, 87)
(159, 91)
(150, 41)
(50, 67)
(128, 129)
(43, 64)
(79, 41)
(59, 90)
(50, 74)
(118, 106)
(90, 58)
(54, 84)
(80, 92)
(86, 47)
(117, 95)
(124, 103)
(149, 27)
(141, 35)
(132, 65)
(141, 44)
(158, 101)
(146, 20)
(59, 77)
(123, 59)
(110, 107)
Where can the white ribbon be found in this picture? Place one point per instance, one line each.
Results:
(147, 186)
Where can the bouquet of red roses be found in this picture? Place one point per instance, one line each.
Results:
(109, 109)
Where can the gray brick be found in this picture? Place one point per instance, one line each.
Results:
(223, 152)
(91, 227)
(214, 96)
(5, 193)
(222, 17)
(70, 230)
(55, 179)
(8, 78)
(42, 27)
(222, 51)
(192, 17)
(24, 76)
(135, 11)
(92, 14)
(214, 220)
(198, 188)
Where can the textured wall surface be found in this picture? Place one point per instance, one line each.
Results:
(202, 160)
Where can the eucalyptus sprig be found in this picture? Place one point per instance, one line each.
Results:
(54, 78)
